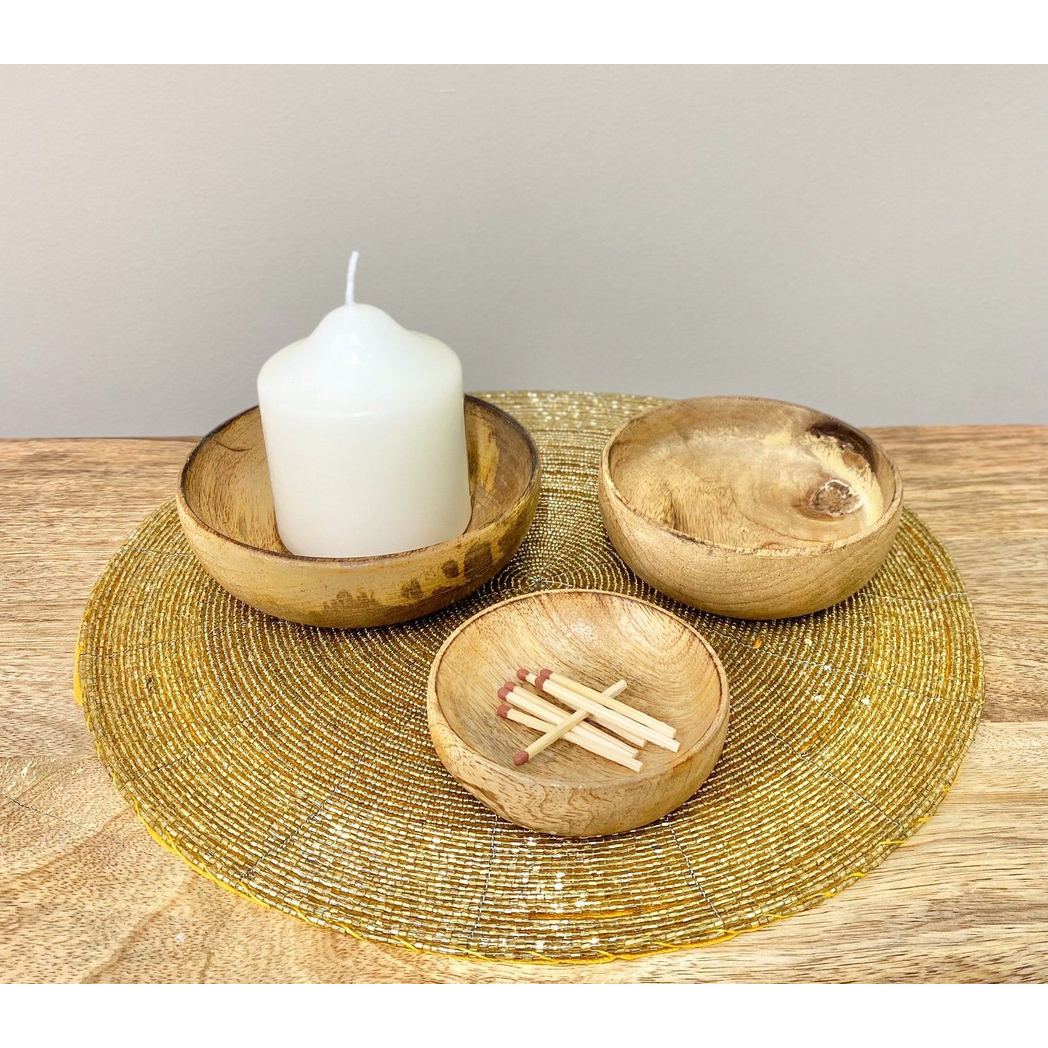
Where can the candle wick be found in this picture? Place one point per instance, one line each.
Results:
(351, 278)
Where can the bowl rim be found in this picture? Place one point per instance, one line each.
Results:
(891, 511)
(448, 544)
(721, 714)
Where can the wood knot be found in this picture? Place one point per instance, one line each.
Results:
(834, 499)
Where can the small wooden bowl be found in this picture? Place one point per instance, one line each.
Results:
(752, 508)
(595, 638)
(226, 508)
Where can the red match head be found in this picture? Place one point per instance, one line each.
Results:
(504, 693)
(522, 674)
(521, 757)
(503, 711)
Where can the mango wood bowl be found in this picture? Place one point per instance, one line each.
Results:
(596, 639)
(751, 508)
(226, 508)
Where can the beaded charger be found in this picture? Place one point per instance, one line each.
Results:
(293, 764)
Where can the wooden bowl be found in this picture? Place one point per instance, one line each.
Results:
(226, 508)
(595, 638)
(752, 508)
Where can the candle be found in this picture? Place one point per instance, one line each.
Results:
(365, 436)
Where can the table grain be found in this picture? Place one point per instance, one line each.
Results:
(87, 896)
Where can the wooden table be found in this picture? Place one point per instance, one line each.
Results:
(85, 893)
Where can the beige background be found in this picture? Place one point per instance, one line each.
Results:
(870, 240)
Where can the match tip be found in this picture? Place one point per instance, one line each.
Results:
(503, 694)
(520, 757)
(503, 711)
(510, 685)
(545, 672)
(522, 674)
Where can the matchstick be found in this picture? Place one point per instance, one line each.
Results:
(601, 714)
(608, 698)
(550, 737)
(561, 729)
(537, 706)
(583, 741)
(635, 741)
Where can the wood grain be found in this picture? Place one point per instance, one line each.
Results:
(87, 895)
(748, 507)
(225, 504)
(593, 638)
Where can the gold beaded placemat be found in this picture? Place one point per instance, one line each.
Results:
(294, 766)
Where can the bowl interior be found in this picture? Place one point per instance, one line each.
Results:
(596, 639)
(225, 481)
(751, 474)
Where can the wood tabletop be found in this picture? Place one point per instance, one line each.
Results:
(87, 895)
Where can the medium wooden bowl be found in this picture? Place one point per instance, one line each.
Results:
(752, 508)
(226, 508)
(595, 638)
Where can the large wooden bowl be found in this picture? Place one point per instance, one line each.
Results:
(226, 508)
(752, 508)
(595, 638)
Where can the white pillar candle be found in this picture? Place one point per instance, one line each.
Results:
(365, 437)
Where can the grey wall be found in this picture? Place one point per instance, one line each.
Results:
(869, 240)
